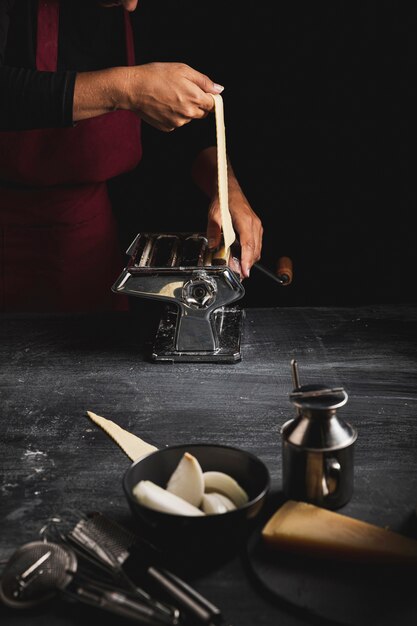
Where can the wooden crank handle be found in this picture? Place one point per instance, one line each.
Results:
(284, 270)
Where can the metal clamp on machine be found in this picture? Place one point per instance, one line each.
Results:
(178, 268)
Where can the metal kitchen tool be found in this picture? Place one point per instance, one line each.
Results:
(35, 572)
(99, 553)
(317, 446)
(39, 570)
(99, 537)
(198, 323)
(110, 545)
(119, 541)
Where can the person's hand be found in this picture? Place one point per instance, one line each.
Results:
(246, 223)
(168, 95)
(129, 5)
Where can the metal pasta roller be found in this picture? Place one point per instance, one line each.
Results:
(198, 324)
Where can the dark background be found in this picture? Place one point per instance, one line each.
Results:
(319, 109)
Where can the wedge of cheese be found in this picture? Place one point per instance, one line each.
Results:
(311, 530)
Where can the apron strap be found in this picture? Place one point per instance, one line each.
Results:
(47, 36)
(130, 43)
(48, 31)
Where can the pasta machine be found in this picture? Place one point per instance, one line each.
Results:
(200, 321)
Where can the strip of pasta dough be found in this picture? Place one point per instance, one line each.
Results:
(226, 220)
(131, 445)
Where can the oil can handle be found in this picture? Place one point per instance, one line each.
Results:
(333, 469)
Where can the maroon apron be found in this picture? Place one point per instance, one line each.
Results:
(59, 249)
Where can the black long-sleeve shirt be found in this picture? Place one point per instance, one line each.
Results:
(90, 38)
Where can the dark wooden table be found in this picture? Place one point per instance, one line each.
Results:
(54, 368)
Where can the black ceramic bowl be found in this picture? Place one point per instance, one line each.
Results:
(211, 534)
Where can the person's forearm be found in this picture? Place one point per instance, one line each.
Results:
(204, 172)
(98, 92)
(165, 95)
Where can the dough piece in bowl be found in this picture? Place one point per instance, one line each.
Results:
(187, 480)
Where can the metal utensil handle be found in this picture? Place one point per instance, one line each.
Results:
(118, 603)
(182, 596)
(118, 573)
(162, 607)
(216, 614)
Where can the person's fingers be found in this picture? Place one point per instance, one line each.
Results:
(250, 235)
(205, 103)
(168, 124)
(258, 230)
(204, 82)
(248, 228)
(207, 86)
(234, 264)
(130, 5)
(247, 258)
(204, 114)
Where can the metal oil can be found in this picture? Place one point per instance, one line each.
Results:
(318, 447)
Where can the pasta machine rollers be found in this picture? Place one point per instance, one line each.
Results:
(198, 323)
